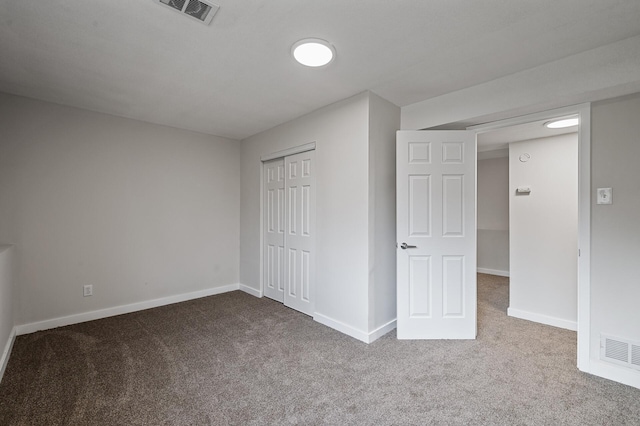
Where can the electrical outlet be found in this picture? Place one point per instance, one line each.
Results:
(87, 290)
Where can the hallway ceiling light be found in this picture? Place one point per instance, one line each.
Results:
(313, 52)
(561, 124)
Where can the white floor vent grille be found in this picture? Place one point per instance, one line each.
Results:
(202, 10)
(620, 351)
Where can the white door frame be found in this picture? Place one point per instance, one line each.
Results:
(584, 212)
(272, 156)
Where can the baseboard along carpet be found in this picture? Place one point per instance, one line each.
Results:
(233, 359)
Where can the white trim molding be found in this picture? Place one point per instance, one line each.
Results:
(250, 290)
(119, 310)
(289, 151)
(341, 327)
(6, 353)
(616, 373)
(584, 237)
(363, 336)
(382, 330)
(493, 272)
(543, 319)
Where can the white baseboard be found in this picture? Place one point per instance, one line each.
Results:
(382, 330)
(341, 327)
(250, 290)
(543, 319)
(615, 372)
(119, 310)
(7, 352)
(354, 332)
(493, 272)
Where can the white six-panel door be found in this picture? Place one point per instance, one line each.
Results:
(274, 223)
(436, 231)
(300, 231)
(289, 230)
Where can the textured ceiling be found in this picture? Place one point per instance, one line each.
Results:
(236, 78)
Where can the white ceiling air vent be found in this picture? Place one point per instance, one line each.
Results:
(201, 10)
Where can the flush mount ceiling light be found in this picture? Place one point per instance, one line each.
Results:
(561, 124)
(313, 52)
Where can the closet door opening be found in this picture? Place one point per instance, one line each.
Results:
(289, 230)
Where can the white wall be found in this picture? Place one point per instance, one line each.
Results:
(586, 77)
(140, 211)
(342, 257)
(6, 304)
(384, 121)
(355, 209)
(544, 230)
(615, 228)
(493, 215)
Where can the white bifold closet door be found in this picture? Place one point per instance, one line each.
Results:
(274, 221)
(289, 228)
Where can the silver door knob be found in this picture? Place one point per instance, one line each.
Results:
(405, 246)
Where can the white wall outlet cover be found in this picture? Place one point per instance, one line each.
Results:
(605, 196)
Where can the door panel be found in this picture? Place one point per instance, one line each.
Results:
(300, 237)
(420, 299)
(453, 205)
(436, 219)
(420, 206)
(274, 226)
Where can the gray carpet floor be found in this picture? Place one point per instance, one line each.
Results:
(238, 360)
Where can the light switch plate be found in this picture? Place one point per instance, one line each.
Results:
(605, 196)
